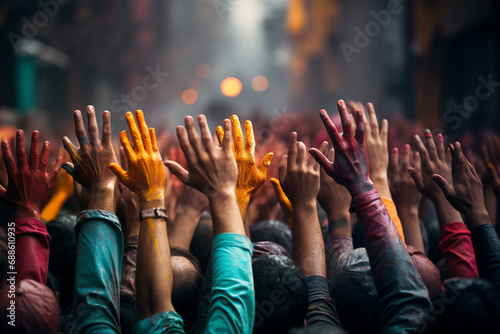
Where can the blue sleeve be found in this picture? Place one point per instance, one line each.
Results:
(161, 323)
(487, 248)
(97, 275)
(232, 302)
(403, 297)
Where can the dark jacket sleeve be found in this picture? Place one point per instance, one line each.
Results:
(403, 296)
(487, 248)
(321, 310)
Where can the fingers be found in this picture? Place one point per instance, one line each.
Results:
(206, 136)
(292, 149)
(249, 138)
(360, 127)
(417, 162)
(93, 128)
(106, 128)
(123, 159)
(154, 143)
(373, 119)
(282, 168)
(417, 177)
(384, 130)
(346, 122)
(127, 147)
(134, 132)
(119, 172)
(44, 159)
(34, 152)
(405, 159)
(459, 158)
(20, 151)
(70, 148)
(394, 162)
(237, 134)
(220, 134)
(178, 171)
(68, 167)
(80, 128)
(143, 129)
(226, 139)
(311, 163)
(430, 145)
(330, 128)
(185, 145)
(55, 169)
(448, 190)
(194, 140)
(424, 154)
(276, 185)
(440, 147)
(322, 160)
(265, 163)
(10, 163)
(323, 148)
(301, 153)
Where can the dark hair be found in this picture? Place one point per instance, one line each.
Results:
(465, 306)
(186, 288)
(272, 230)
(280, 294)
(201, 244)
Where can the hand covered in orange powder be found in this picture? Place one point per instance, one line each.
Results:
(146, 173)
(285, 204)
(250, 177)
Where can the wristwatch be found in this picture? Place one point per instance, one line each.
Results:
(153, 213)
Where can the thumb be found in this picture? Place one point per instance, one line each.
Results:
(417, 178)
(119, 172)
(322, 160)
(265, 163)
(178, 171)
(448, 191)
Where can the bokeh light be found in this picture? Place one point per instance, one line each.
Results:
(260, 83)
(231, 86)
(189, 96)
(203, 70)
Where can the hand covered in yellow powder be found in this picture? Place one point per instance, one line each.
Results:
(285, 204)
(146, 173)
(250, 177)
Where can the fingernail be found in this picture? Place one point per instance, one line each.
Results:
(395, 150)
(440, 137)
(407, 147)
(428, 133)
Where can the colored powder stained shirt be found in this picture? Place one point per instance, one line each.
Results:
(32, 250)
(227, 303)
(97, 276)
(336, 246)
(321, 311)
(487, 248)
(403, 296)
(457, 250)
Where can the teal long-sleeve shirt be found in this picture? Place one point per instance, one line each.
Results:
(97, 277)
(227, 304)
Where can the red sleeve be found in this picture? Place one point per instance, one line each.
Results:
(456, 247)
(32, 250)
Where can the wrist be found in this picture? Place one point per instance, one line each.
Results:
(360, 188)
(26, 212)
(158, 202)
(304, 206)
(477, 217)
(101, 198)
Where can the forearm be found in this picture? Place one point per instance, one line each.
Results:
(53, 206)
(411, 227)
(487, 249)
(445, 211)
(402, 300)
(226, 213)
(381, 184)
(183, 227)
(101, 198)
(457, 250)
(154, 268)
(309, 249)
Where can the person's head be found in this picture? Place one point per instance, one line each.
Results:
(62, 256)
(280, 294)
(427, 270)
(356, 297)
(465, 306)
(187, 285)
(268, 248)
(272, 230)
(36, 309)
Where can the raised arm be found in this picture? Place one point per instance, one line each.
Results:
(98, 231)
(405, 301)
(466, 195)
(213, 171)
(27, 192)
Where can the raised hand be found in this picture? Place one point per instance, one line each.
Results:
(434, 160)
(491, 155)
(29, 184)
(350, 167)
(283, 200)
(250, 177)
(146, 174)
(91, 160)
(211, 170)
(466, 194)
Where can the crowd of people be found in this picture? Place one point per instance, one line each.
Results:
(335, 231)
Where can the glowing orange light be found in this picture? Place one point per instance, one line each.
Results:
(231, 86)
(202, 70)
(260, 83)
(189, 96)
